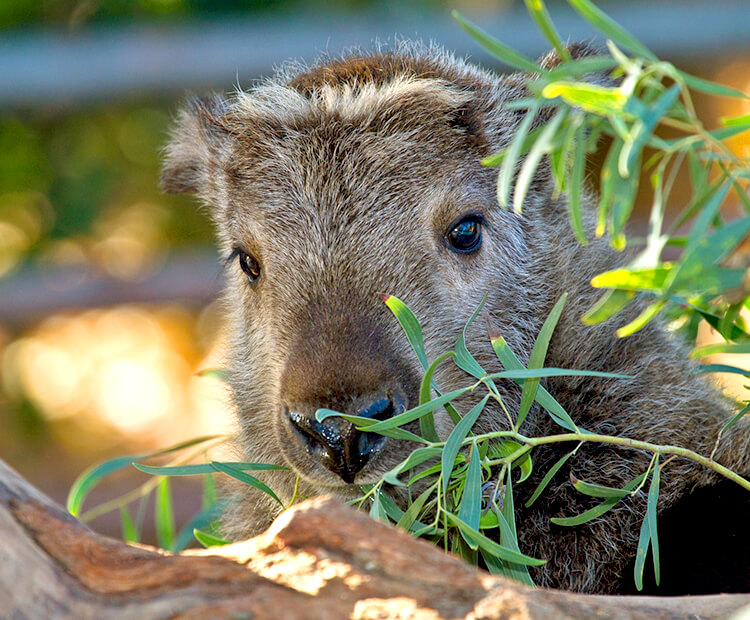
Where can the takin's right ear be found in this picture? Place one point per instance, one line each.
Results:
(197, 137)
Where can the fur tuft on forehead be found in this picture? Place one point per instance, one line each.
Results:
(411, 89)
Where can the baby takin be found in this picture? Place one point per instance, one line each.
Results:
(332, 184)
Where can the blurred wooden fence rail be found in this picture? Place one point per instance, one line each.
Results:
(56, 69)
(193, 278)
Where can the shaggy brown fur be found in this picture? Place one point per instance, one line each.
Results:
(342, 181)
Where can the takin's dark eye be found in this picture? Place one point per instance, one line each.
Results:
(249, 265)
(465, 235)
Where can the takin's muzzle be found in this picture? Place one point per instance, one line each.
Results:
(342, 362)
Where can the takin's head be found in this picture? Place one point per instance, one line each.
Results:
(332, 186)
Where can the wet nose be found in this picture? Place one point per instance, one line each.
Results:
(336, 443)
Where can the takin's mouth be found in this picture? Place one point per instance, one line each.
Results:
(337, 444)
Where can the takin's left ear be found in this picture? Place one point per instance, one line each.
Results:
(197, 138)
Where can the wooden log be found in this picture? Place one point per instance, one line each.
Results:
(319, 560)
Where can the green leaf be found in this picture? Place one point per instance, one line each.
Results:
(610, 28)
(505, 448)
(463, 358)
(164, 516)
(377, 511)
(643, 128)
(216, 373)
(576, 184)
(644, 539)
(470, 510)
(581, 67)
(500, 51)
(92, 476)
(599, 100)
(410, 325)
(207, 540)
(412, 512)
(712, 88)
(498, 158)
(536, 373)
(643, 319)
(597, 511)
(597, 490)
(707, 214)
(530, 164)
(204, 468)
(709, 368)
(732, 348)
(608, 305)
(203, 518)
(508, 534)
(417, 457)
(238, 474)
(653, 498)
(547, 478)
(427, 422)
(512, 153)
(456, 438)
(736, 418)
(607, 185)
(707, 251)
(129, 530)
(490, 546)
(411, 414)
(208, 497)
(537, 357)
(391, 509)
(634, 279)
(413, 331)
(623, 199)
(737, 121)
(538, 11)
(543, 397)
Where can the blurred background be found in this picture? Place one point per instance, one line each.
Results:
(107, 287)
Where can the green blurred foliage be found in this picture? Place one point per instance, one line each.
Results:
(22, 13)
(88, 165)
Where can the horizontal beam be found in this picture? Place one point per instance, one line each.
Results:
(53, 69)
(194, 278)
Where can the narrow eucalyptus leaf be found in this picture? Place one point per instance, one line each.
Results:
(653, 498)
(409, 324)
(470, 509)
(544, 398)
(164, 515)
(530, 164)
(492, 547)
(208, 540)
(456, 438)
(427, 422)
(512, 153)
(644, 540)
(609, 27)
(537, 357)
(238, 474)
(500, 51)
(547, 478)
(597, 511)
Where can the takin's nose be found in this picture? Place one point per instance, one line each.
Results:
(337, 444)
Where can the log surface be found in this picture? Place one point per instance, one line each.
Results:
(319, 560)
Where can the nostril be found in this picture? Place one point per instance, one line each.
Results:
(337, 444)
(380, 409)
(322, 442)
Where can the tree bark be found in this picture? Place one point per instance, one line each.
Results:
(319, 560)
